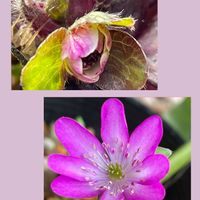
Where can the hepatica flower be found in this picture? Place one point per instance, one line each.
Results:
(87, 50)
(122, 167)
(88, 42)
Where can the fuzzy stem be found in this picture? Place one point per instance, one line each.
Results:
(18, 55)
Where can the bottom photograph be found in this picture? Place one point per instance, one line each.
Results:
(117, 148)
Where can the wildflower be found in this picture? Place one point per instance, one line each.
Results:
(119, 168)
(88, 43)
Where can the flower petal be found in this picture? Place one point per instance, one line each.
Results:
(103, 61)
(146, 192)
(113, 123)
(76, 65)
(78, 141)
(80, 42)
(107, 196)
(145, 138)
(76, 168)
(87, 76)
(90, 76)
(70, 188)
(152, 170)
(100, 43)
(108, 40)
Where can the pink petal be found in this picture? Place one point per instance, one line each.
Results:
(76, 65)
(108, 40)
(100, 43)
(78, 141)
(145, 138)
(77, 69)
(106, 196)
(87, 78)
(146, 192)
(113, 123)
(80, 42)
(76, 168)
(152, 170)
(70, 188)
(103, 61)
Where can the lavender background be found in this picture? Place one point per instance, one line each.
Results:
(21, 112)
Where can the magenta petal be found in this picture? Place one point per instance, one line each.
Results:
(78, 141)
(114, 129)
(106, 196)
(76, 168)
(146, 192)
(146, 137)
(152, 170)
(70, 188)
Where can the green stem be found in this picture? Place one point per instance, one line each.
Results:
(179, 159)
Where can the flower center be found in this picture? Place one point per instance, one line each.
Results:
(115, 171)
(91, 59)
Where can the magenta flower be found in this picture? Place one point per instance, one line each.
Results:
(122, 167)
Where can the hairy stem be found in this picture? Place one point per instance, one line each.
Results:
(20, 57)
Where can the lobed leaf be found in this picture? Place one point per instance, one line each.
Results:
(126, 67)
(45, 70)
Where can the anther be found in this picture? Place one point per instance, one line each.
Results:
(94, 147)
(132, 191)
(87, 178)
(83, 168)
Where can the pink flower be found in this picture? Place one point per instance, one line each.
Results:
(122, 167)
(88, 43)
(87, 49)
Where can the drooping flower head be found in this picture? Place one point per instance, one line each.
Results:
(122, 167)
(88, 43)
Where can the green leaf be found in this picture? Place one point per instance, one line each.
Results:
(179, 118)
(180, 159)
(164, 151)
(45, 70)
(126, 67)
(80, 120)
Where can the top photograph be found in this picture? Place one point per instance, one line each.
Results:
(84, 45)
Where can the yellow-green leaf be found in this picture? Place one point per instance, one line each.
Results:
(98, 17)
(45, 70)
